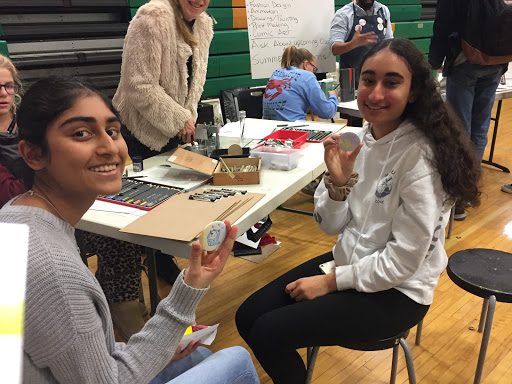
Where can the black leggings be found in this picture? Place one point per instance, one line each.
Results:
(275, 326)
(136, 148)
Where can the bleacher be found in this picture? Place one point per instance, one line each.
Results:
(85, 38)
(78, 37)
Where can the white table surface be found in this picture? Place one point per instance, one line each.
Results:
(349, 108)
(278, 187)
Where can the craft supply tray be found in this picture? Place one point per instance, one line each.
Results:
(298, 137)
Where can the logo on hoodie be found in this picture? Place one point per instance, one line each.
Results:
(385, 186)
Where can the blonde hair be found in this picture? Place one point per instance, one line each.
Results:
(182, 26)
(293, 56)
(6, 63)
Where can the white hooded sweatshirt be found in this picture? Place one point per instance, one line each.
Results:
(391, 226)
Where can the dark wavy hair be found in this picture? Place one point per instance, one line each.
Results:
(454, 156)
(43, 103)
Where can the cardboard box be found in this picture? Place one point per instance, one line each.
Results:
(241, 178)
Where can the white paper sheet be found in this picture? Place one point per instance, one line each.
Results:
(254, 129)
(245, 241)
(206, 336)
(177, 177)
(105, 206)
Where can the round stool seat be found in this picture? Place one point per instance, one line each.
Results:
(375, 345)
(483, 272)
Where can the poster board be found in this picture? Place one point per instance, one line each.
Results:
(14, 239)
(183, 219)
(273, 25)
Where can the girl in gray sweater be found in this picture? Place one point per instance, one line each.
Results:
(70, 137)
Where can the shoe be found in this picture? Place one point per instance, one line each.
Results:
(310, 188)
(127, 317)
(166, 267)
(507, 188)
(460, 214)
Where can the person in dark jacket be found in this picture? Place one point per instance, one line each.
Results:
(470, 88)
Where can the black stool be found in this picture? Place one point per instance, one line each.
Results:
(377, 345)
(485, 273)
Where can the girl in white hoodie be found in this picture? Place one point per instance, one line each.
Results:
(388, 201)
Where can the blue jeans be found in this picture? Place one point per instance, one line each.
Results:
(231, 365)
(470, 89)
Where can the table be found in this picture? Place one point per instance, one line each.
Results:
(501, 94)
(349, 108)
(278, 187)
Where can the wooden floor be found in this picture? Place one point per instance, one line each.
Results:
(450, 342)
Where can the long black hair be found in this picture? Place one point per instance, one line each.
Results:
(454, 156)
(43, 103)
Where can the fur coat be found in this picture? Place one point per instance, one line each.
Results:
(154, 99)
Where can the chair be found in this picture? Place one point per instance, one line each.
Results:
(376, 345)
(251, 101)
(486, 273)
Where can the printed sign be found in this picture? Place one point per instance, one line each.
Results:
(274, 25)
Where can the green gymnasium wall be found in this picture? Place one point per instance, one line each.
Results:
(229, 64)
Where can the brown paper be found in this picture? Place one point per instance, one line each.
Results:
(193, 161)
(182, 219)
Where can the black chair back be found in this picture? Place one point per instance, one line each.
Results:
(251, 101)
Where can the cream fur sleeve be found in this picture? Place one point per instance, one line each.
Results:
(148, 38)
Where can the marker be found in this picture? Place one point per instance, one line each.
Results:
(200, 198)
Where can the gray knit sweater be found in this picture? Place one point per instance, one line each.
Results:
(69, 336)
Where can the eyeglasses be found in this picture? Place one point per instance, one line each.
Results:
(10, 88)
(315, 69)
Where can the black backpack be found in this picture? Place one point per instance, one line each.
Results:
(487, 33)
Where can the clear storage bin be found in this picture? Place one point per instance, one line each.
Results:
(283, 159)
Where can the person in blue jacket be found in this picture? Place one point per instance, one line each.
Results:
(293, 89)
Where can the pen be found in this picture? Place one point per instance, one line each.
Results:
(298, 126)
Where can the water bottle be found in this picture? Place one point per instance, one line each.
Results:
(241, 119)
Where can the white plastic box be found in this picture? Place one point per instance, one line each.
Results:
(283, 159)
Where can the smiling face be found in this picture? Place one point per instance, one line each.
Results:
(6, 100)
(384, 91)
(191, 9)
(87, 153)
